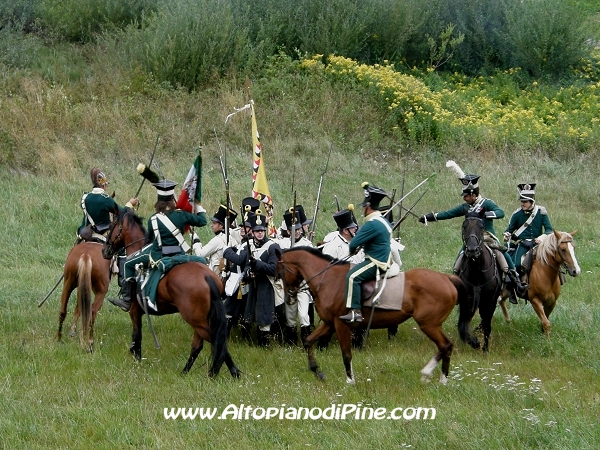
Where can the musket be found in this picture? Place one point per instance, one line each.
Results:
(337, 203)
(402, 193)
(314, 222)
(223, 161)
(293, 232)
(149, 165)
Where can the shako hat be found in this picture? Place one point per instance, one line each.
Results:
(373, 195)
(250, 204)
(469, 182)
(527, 191)
(258, 222)
(344, 219)
(302, 215)
(288, 218)
(165, 190)
(221, 215)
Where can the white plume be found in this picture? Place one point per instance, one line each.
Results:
(456, 168)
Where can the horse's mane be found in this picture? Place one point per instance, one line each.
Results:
(549, 245)
(133, 218)
(317, 252)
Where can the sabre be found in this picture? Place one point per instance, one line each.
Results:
(411, 191)
(149, 165)
(51, 290)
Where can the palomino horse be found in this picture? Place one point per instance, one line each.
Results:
(555, 250)
(87, 271)
(479, 271)
(429, 298)
(191, 289)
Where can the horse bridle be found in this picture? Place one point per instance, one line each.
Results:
(110, 242)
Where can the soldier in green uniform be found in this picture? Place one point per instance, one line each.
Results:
(374, 237)
(525, 226)
(98, 207)
(488, 211)
(165, 237)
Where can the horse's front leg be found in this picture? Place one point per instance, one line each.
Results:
(539, 309)
(345, 339)
(136, 335)
(322, 330)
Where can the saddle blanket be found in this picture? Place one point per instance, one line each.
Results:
(392, 296)
(149, 280)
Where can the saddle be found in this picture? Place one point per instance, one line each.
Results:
(391, 297)
(147, 280)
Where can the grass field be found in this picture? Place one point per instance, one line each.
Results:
(529, 392)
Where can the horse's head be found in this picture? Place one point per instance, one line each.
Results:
(125, 230)
(472, 235)
(565, 252)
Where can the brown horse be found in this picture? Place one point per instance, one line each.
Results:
(555, 250)
(87, 271)
(192, 289)
(429, 298)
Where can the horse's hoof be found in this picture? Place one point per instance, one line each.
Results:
(350, 381)
(72, 334)
(425, 379)
(443, 379)
(321, 376)
(236, 373)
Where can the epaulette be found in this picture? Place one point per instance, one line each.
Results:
(105, 195)
(543, 210)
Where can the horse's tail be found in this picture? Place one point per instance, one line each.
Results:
(465, 312)
(84, 295)
(218, 328)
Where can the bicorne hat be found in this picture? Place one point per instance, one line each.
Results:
(221, 215)
(165, 189)
(527, 191)
(373, 195)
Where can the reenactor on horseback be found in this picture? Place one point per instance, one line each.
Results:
(525, 227)
(98, 207)
(374, 237)
(488, 211)
(165, 238)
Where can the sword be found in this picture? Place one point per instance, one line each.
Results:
(51, 290)
(149, 165)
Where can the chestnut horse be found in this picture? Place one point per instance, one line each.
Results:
(191, 288)
(479, 271)
(429, 298)
(87, 271)
(555, 250)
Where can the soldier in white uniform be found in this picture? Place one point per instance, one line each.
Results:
(213, 250)
(300, 309)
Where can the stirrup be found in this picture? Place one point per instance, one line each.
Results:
(122, 303)
(353, 316)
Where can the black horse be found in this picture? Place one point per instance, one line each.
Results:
(480, 272)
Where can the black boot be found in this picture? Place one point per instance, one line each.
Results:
(291, 335)
(263, 338)
(128, 290)
(354, 316)
(520, 287)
